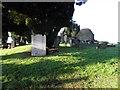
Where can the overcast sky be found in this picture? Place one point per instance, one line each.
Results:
(101, 16)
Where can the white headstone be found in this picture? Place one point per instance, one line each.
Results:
(9, 34)
(38, 45)
(9, 39)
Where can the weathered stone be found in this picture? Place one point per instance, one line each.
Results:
(38, 45)
(61, 35)
(101, 45)
(57, 41)
(13, 44)
(65, 39)
(9, 40)
(70, 41)
(85, 35)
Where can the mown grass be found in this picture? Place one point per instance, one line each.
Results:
(83, 67)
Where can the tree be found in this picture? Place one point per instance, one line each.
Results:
(72, 30)
(45, 18)
(14, 22)
(75, 28)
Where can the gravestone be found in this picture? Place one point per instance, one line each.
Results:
(10, 41)
(57, 41)
(61, 35)
(101, 45)
(85, 35)
(13, 43)
(74, 42)
(38, 45)
(65, 39)
(70, 41)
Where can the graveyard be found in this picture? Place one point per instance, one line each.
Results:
(40, 51)
(85, 67)
(72, 62)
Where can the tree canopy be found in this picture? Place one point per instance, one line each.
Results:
(44, 17)
(72, 30)
(37, 17)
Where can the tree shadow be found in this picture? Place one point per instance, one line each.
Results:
(21, 56)
(89, 55)
(46, 73)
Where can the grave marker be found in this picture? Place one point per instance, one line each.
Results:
(38, 45)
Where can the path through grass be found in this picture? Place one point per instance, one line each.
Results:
(68, 68)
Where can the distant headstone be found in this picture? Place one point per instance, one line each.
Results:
(75, 42)
(13, 44)
(38, 45)
(65, 39)
(85, 35)
(101, 45)
(57, 41)
(22, 40)
(9, 40)
(61, 35)
(70, 41)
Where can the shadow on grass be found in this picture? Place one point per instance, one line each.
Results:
(47, 73)
(44, 74)
(21, 55)
(91, 55)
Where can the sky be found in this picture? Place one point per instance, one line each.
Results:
(101, 16)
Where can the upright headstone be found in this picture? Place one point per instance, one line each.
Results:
(57, 41)
(38, 45)
(65, 39)
(70, 41)
(13, 44)
(9, 40)
(61, 35)
(85, 35)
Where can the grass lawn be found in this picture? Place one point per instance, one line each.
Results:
(83, 67)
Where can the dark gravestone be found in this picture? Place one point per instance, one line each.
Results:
(111, 45)
(22, 40)
(77, 42)
(74, 42)
(57, 41)
(101, 45)
(62, 38)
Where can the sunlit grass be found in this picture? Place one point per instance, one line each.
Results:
(68, 68)
(64, 45)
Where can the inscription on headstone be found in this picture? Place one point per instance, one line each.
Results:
(38, 45)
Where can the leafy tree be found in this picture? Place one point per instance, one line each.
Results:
(14, 22)
(42, 17)
(72, 30)
(45, 18)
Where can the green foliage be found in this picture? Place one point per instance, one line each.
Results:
(67, 31)
(72, 30)
(68, 68)
(14, 35)
(44, 17)
(16, 17)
